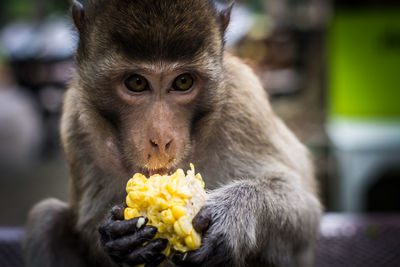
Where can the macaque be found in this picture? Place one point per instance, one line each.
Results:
(154, 90)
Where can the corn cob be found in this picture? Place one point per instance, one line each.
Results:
(169, 202)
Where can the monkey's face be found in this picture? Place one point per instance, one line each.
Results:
(159, 108)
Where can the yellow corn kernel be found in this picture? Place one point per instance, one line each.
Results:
(184, 194)
(136, 196)
(178, 229)
(198, 177)
(171, 188)
(180, 173)
(193, 240)
(191, 167)
(129, 202)
(148, 197)
(163, 204)
(186, 225)
(162, 228)
(151, 200)
(180, 247)
(167, 216)
(140, 188)
(176, 201)
(178, 211)
(131, 213)
(138, 177)
(154, 176)
(157, 223)
(197, 239)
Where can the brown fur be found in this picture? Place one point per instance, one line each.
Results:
(263, 204)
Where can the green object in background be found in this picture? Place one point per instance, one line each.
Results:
(364, 64)
(11, 10)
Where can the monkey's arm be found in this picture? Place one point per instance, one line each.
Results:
(50, 239)
(270, 219)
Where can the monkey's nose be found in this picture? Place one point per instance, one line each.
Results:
(160, 145)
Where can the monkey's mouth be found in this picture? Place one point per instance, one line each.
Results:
(161, 171)
(159, 167)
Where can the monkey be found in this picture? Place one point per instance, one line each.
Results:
(155, 90)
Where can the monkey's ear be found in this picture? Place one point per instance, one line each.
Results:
(225, 16)
(78, 14)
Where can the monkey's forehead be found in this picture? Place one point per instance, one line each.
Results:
(154, 29)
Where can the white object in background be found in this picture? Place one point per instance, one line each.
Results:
(363, 150)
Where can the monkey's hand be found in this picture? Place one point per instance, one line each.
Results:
(218, 224)
(123, 240)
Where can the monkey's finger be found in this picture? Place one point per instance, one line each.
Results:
(181, 259)
(147, 253)
(121, 228)
(177, 258)
(157, 260)
(117, 212)
(103, 230)
(129, 242)
(202, 220)
(212, 253)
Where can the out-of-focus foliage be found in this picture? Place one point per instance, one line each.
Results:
(28, 9)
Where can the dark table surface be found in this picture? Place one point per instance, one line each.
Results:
(345, 240)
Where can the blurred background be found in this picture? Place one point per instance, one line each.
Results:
(331, 68)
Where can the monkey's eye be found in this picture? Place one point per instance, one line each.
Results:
(183, 82)
(136, 83)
